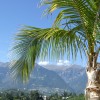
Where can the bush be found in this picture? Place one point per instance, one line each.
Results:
(35, 95)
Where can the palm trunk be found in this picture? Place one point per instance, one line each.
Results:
(92, 91)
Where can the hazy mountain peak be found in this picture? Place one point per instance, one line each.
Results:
(61, 66)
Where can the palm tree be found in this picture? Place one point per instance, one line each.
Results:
(76, 29)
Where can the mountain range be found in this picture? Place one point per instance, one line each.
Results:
(73, 75)
(49, 78)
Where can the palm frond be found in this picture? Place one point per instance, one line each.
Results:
(76, 29)
(74, 13)
(32, 43)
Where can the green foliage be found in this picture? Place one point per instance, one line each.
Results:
(75, 29)
(33, 43)
(20, 95)
(55, 97)
(35, 95)
(79, 97)
(66, 96)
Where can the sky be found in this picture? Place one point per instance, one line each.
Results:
(14, 14)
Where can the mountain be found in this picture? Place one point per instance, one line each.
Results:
(49, 78)
(55, 67)
(76, 77)
(40, 78)
(73, 75)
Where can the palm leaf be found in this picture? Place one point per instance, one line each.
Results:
(76, 29)
(78, 12)
(33, 43)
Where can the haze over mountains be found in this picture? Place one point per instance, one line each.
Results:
(48, 78)
(73, 75)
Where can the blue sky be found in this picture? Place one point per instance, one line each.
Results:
(13, 15)
(16, 13)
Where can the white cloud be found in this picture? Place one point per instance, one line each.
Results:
(43, 63)
(60, 62)
(63, 62)
(66, 62)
